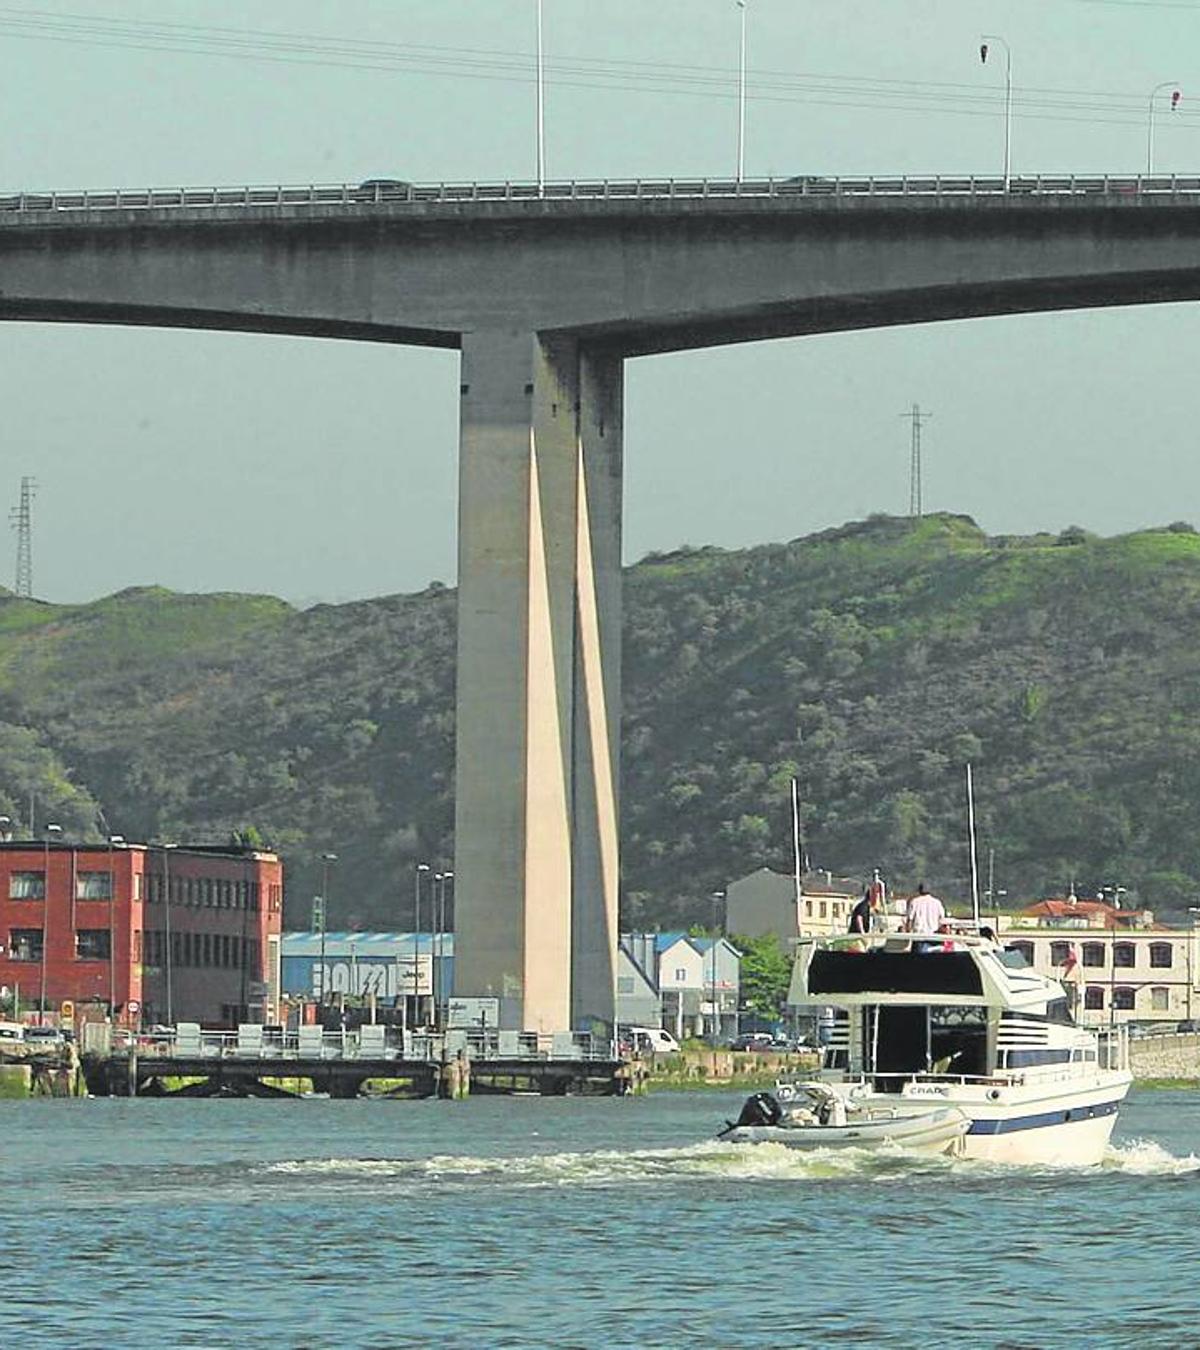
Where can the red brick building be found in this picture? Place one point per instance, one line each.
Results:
(91, 924)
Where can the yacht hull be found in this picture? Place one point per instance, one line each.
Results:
(1061, 1123)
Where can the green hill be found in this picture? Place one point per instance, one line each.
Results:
(870, 662)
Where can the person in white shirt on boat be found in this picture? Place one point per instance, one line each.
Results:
(925, 914)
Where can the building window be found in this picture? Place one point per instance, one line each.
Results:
(25, 944)
(624, 982)
(27, 886)
(680, 975)
(808, 909)
(1125, 955)
(1024, 949)
(206, 951)
(1093, 954)
(139, 886)
(1160, 955)
(93, 944)
(824, 910)
(93, 886)
(1160, 998)
(1059, 951)
(1093, 997)
(1124, 997)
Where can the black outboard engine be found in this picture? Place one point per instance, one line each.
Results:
(760, 1109)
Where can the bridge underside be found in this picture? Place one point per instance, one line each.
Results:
(545, 304)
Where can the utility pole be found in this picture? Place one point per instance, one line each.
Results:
(21, 518)
(916, 417)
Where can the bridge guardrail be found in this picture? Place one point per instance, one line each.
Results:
(392, 194)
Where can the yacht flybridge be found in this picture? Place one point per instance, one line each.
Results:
(943, 1023)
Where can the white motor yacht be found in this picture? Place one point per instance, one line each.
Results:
(931, 1021)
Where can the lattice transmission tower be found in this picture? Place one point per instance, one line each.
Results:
(916, 417)
(21, 519)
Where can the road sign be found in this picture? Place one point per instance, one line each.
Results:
(133, 1005)
(66, 1013)
(318, 914)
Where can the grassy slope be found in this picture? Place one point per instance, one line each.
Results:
(870, 661)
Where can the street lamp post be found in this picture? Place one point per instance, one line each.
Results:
(1194, 928)
(439, 989)
(741, 139)
(983, 56)
(420, 867)
(167, 956)
(112, 926)
(326, 859)
(541, 105)
(1175, 97)
(52, 832)
(716, 897)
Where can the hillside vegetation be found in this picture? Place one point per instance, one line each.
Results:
(871, 662)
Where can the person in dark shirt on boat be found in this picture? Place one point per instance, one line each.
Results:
(862, 916)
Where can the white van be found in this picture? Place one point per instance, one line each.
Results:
(11, 1031)
(651, 1040)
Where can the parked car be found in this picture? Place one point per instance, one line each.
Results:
(1189, 1025)
(754, 1040)
(11, 1031)
(44, 1036)
(649, 1041)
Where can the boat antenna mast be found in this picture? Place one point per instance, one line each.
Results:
(971, 839)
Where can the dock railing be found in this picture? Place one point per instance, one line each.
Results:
(371, 1041)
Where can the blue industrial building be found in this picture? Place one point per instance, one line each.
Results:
(388, 965)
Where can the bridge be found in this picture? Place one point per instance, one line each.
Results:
(546, 292)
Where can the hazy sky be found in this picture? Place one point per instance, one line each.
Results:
(326, 470)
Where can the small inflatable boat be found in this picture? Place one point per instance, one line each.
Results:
(812, 1115)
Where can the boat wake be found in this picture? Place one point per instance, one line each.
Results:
(710, 1160)
(1147, 1158)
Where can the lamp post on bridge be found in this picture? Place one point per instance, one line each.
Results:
(741, 137)
(983, 56)
(541, 106)
(1175, 97)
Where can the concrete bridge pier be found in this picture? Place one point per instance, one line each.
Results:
(538, 677)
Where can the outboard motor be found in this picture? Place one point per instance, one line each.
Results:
(760, 1109)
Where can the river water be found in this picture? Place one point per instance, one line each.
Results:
(526, 1222)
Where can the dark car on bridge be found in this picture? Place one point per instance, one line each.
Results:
(383, 190)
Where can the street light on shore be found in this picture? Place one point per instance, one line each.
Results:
(716, 897)
(168, 991)
(417, 870)
(439, 956)
(113, 839)
(52, 832)
(1174, 103)
(983, 56)
(326, 859)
